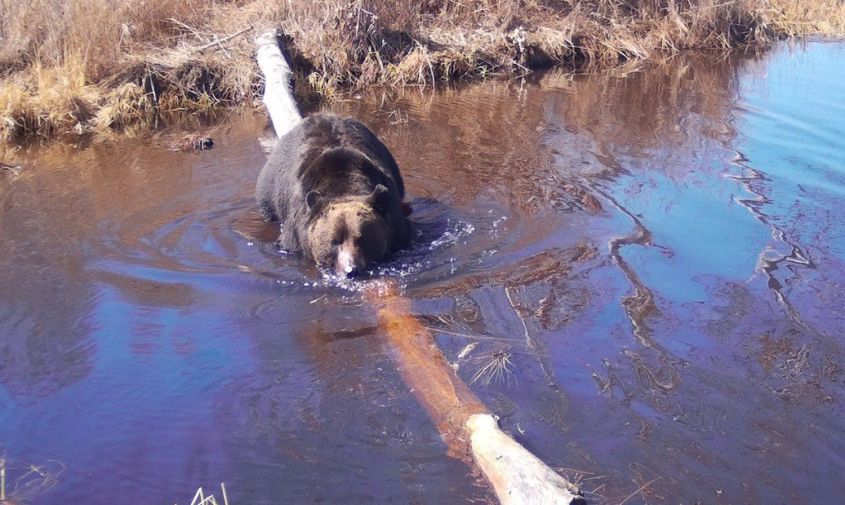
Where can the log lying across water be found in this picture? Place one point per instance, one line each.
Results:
(466, 425)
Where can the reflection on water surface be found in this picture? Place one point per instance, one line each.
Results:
(658, 251)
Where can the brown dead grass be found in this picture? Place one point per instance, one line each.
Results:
(70, 66)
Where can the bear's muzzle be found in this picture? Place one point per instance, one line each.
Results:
(350, 263)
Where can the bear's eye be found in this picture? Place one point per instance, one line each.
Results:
(336, 241)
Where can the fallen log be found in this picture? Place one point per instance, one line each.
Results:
(278, 95)
(466, 425)
(517, 476)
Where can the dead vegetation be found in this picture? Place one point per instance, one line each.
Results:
(79, 65)
(497, 367)
(203, 498)
(21, 481)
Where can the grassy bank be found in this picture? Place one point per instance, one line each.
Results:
(72, 66)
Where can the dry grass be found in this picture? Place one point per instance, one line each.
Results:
(76, 65)
(794, 18)
(53, 96)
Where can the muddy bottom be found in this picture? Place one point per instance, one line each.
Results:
(642, 272)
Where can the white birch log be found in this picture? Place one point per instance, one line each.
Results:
(517, 476)
(278, 97)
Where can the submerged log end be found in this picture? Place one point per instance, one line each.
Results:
(517, 476)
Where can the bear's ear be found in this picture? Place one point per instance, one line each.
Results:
(380, 198)
(312, 199)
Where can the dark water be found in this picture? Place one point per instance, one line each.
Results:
(660, 251)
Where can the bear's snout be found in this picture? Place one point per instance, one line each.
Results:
(350, 262)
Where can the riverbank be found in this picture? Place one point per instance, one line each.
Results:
(70, 68)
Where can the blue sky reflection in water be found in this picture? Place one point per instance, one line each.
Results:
(659, 249)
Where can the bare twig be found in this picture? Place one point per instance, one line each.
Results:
(466, 350)
(528, 341)
(471, 336)
(222, 48)
(652, 481)
(219, 42)
(190, 29)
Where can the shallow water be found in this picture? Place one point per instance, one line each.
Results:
(660, 250)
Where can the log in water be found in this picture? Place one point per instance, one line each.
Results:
(278, 97)
(517, 476)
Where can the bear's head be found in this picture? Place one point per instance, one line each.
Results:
(347, 235)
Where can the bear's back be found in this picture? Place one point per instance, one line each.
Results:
(326, 153)
(324, 131)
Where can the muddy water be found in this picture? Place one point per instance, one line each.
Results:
(658, 253)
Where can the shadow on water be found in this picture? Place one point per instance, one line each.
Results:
(640, 271)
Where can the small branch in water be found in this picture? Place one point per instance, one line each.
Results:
(528, 341)
(315, 300)
(225, 498)
(596, 490)
(652, 481)
(470, 336)
(466, 350)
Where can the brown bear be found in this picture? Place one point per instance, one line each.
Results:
(337, 192)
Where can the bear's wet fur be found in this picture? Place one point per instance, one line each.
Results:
(337, 192)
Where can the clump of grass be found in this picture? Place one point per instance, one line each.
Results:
(15, 112)
(71, 65)
(125, 105)
(53, 99)
(816, 17)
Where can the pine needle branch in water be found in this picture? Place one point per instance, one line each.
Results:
(498, 368)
